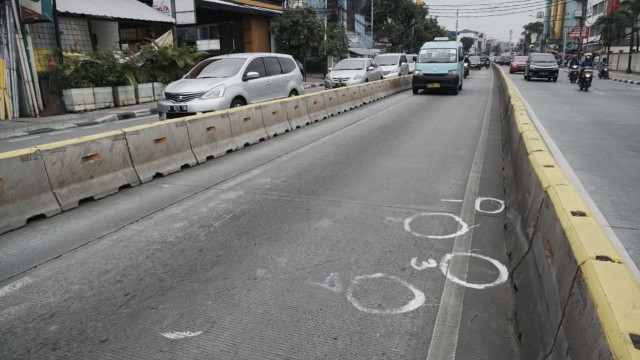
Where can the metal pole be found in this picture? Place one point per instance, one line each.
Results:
(373, 42)
(175, 26)
(564, 41)
(582, 17)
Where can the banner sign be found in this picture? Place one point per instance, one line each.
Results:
(36, 10)
(185, 10)
(574, 32)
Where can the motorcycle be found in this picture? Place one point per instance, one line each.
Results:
(466, 70)
(603, 73)
(487, 63)
(585, 78)
(573, 73)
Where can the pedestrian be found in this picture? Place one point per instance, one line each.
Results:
(596, 60)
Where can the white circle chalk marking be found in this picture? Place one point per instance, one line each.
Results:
(418, 296)
(463, 229)
(502, 277)
(481, 199)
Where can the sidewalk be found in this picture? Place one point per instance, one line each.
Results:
(633, 78)
(29, 126)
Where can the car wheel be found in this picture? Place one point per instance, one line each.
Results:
(455, 91)
(555, 79)
(293, 93)
(237, 102)
(460, 87)
(415, 91)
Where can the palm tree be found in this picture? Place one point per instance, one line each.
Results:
(632, 8)
(532, 28)
(612, 27)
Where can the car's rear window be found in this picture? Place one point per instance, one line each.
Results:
(287, 64)
(387, 60)
(350, 64)
(520, 58)
(543, 58)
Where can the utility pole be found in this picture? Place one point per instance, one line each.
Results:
(456, 24)
(175, 26)
(582, 17)
(373, 42)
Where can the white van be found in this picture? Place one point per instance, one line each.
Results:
(440, 66)
(392, 65)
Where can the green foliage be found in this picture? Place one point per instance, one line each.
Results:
(337, 44)
(299, 32)
(467, 43)
(128, 67)
(393, 20)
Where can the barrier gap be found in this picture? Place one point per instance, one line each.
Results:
(1, 181)
(578, 213)
(274, 113)
(548, 166)
(296, 107)
(162, 140)
(635, 339)
(158, 175)
(36, 218)
(247, 119)
(91, 158)
(211, 129)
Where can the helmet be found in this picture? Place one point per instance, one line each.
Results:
(587, 56)
(466, 56)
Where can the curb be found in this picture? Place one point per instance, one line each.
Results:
(633, 82)
(13, 133)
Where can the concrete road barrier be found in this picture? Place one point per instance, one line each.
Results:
(297, 112)
(366, 92)
(159, 148)
(344, 99)
(575, 296)
(88, 167)
(315, 107)
(332, 102)
(25, 191)
(247, 125)
(274, 116)
(379, 91)
(210, 135)
(355, 96)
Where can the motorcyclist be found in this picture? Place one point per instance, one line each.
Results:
(572, 61)
(587, 62)
(466, 60)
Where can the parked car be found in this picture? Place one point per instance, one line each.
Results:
(411, 60)
(541, 65)
(475, 62)
(393, 65)
(505, 60)
(232, 80)
(518, 64)
(351, 72)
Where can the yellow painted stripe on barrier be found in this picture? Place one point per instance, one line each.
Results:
(533, 142)
(59, 144)
(547, 169)
(614, 290)
(17, 153)
(608, 285)
(152, 125)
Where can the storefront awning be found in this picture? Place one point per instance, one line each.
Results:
(112, 9)
(238, 7)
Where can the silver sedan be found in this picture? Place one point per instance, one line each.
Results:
(351, 72)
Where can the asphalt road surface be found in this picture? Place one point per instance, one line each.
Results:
(376, 234)
(596, 134)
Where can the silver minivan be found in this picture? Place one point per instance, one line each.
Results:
(393, 65)
(351, 72)
(233, 80)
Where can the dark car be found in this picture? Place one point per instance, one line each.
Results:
(475, 62)
(505, 60)
(541, 65)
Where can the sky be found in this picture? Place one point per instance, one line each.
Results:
(486, 16)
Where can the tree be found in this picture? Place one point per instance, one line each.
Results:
(532, 28)
(467, 43)
(337, 43)
(394, 20)
(612, 27)
(298, 31)
(632, 8)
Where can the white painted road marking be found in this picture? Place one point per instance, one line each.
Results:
(444, 341)
(597, 92)
(481, 199)
(24, 138)
(425, 264)
(502, 276)
(177, 335)
(93, 126)
(418, 296)
(463, 226)
(15, 286)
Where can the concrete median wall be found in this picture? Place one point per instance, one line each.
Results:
(159, 148)
(25, 191)
(575, 296)
(56, 177)
(88, 167)
(211, 135)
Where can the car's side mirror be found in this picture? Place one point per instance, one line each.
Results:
(370, 68)
(330, 69)
(251, 75)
